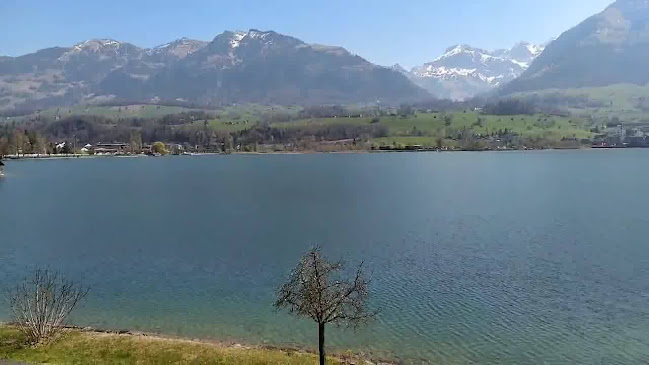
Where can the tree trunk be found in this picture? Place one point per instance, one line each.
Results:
(321, 341)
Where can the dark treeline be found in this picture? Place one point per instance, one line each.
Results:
(442, 105)
(510, 107)
(270, 135)
(325, 111)
(18, 140)
(35, 106)
(546, 103)
(32, 107)
(186, 117)
(226, 129)
(192, 129)
(549, 102)
(178, 103)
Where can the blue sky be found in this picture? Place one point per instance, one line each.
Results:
(410, 32)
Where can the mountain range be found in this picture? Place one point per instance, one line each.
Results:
(235, 67)
(611, 47)
(463, 72)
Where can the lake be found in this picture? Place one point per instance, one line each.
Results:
(508, 258)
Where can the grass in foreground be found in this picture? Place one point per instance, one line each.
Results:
(77, 347)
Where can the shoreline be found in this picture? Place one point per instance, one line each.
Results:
(90, 334)
(201, 154)
(348, 358)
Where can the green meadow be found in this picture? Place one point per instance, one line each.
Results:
(427, 128)
(77, 347)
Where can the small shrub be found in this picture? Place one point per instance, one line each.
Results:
(42, 303)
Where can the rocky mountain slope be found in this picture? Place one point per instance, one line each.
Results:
(611, 47)
(269, 67)
(252, 66)
(464, 71)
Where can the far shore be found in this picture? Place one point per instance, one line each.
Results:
(308, 152)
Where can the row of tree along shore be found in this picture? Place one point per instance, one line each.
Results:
(318, 289)
(506, 125)
(25, 145)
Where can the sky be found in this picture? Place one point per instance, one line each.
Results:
(409, 32)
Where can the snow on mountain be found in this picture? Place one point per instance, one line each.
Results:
(262, 66)
(95, 45)
(464, 71)
(235, 67)
(237, 38)
(534, 49)
(179, 49)
(109, 48)
(90, 47)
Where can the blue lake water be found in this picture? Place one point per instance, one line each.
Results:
(508, 258)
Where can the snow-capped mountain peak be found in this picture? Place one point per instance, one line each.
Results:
(95, 45)
(236, 39)
(535, 50)
(179, 48)
(258, 34)
(103, 48)
(451, 51)
(461, 49)
(464, 71)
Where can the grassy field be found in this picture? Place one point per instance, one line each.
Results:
(619, 102)
(77, 347)
(234, 113)
(116, 112)
(253, 112)
(426, 128)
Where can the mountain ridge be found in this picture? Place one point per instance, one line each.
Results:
(463, 71)
(251, 66)
(608, 48)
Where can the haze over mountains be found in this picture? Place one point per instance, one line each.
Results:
(463, 71)
(608, 48)
(267, 67)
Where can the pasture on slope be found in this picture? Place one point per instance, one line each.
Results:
(428, 129)
(617, 104)
(425, 128)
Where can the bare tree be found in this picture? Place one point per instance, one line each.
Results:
(18, 141)
(136, 143)
(41, 304)
(4, 146)
(316, 290)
